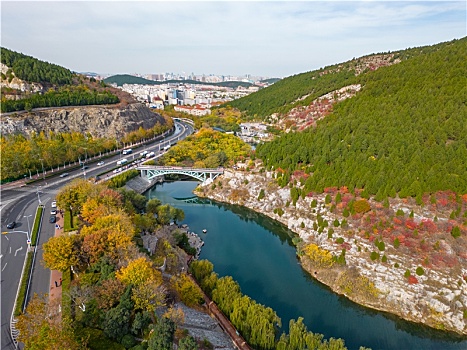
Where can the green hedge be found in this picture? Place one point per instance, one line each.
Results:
(35, 226)
(24, 285)
(121, 179)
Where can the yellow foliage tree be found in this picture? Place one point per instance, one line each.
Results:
(61, 252)
(39, 331)
(188, 290)
(148, 296)
(321, 257)
(137, 272)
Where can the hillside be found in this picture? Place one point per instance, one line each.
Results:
(302, 89)
(29, 83)
(130, 79)
(405, 132)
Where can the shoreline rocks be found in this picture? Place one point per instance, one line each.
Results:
(437, 299)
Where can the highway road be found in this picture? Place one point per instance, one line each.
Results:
(20, 203)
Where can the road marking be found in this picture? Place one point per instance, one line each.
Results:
(10, 250)
(7, 238)
(4, 266)
(17, 250)
(4, 232)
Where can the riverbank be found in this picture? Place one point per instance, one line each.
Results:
(436, 297)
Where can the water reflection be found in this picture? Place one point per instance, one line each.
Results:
(258, 253)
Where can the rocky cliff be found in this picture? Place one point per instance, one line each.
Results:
(99, 121)
(437, 297)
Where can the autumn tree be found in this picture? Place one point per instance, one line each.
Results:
(61, 252)
(138, 272)
(38, 330)
(188, 290)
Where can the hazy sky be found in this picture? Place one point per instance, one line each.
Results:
(274, 39)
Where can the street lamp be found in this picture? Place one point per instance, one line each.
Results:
(38, 197)
(43, 174)
(29, 229)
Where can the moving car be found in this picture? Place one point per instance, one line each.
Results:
(100, 163)
(54, 204)
(64, 175)
(53, 212)
(11, 225)
(53, 219)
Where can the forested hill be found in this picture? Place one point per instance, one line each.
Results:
(130, 79)
(29, 83)
(405, 132)
(301, 89)
(33, 70)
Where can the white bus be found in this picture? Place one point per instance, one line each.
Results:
(127, 151)
(122, 161)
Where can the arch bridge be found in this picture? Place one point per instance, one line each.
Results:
(150, 172)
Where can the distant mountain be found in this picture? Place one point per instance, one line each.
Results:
(130, 79)
(270, 81)
(404, 132)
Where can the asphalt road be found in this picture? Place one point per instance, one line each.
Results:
(18, 203)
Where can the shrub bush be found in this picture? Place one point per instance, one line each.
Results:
(420, 271)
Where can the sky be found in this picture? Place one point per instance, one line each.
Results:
(260, 38)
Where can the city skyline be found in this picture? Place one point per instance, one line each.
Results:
(272, 39)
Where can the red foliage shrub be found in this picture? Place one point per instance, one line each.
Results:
(410, 224)
(331, 190)
(310, 194)
(442, 202)
(397, 221)
(344, 190)
(413, 280)
(346, 246)
(428, 225)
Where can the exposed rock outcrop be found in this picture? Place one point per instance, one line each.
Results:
(99, 121)
(437, 298)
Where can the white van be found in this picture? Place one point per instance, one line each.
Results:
(127, 151)
(122, 161)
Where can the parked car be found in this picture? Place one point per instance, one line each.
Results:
(100, 163)
(64, 175)
(11, 225)
(54, 204)
(53, 219)
(53, 212)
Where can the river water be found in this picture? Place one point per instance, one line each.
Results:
(258, 253)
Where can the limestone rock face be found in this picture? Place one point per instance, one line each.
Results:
(99, 121)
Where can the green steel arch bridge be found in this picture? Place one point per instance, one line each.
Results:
(151, 172)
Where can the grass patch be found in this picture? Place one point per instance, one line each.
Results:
(98, 341)
(24, 285)
(68, 221)
(35, 226)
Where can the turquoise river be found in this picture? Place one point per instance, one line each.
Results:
(258, 253)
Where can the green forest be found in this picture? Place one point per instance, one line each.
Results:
(67, 96)
(405, 133)
(301, 89)
(61, 85)
(33, 70)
